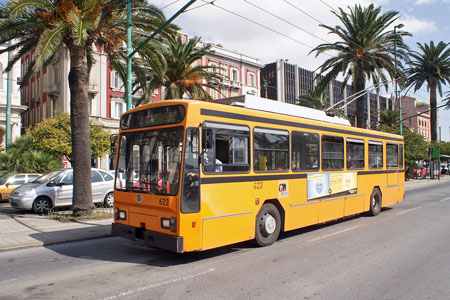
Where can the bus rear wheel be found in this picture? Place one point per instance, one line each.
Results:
(268, 225)
(375, 202)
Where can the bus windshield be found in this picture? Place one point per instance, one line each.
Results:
(150, 161)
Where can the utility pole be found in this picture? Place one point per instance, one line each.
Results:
(8, 102)
(395, 84)
(129, 44)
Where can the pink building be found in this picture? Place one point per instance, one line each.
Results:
(47, 91)
(420, 124)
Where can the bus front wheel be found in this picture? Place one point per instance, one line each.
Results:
(268, 225)
(375, 202)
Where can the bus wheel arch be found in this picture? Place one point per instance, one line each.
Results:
(269, 223)
(375, 201)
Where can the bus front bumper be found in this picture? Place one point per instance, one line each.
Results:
(151, 238)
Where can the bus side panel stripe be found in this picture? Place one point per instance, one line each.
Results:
(226, 216)
(211, 180)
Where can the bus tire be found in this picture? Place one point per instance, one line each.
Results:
(375, 202)
(268, 225)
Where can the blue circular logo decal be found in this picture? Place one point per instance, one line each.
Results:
(319, 186)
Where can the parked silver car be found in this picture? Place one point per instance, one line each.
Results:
(55, 189)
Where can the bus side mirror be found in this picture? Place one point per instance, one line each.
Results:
(207, 141)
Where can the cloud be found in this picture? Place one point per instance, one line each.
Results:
(417, 26)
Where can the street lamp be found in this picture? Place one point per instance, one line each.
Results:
(395, 83)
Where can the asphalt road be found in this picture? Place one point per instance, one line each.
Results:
(403, 253)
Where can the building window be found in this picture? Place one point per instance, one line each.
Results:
(332, 153)
(234, 75)
(271, 150)
(116, 82)
(1, 77)
(117, 109)
(91, 105)
(251, 79)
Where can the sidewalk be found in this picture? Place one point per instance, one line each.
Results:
(25, 231)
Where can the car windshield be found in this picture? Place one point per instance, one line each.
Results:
(149, 161)
(47, 177)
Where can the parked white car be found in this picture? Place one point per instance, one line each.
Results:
(55, 189)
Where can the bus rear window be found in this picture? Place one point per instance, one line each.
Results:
(155, 116)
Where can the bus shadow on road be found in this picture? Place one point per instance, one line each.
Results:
(116, 249)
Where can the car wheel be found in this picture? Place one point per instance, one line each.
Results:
(268, 225)
(375, 202)
(109, 199)
(41, 205)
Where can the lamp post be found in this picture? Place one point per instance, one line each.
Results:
(395, 83)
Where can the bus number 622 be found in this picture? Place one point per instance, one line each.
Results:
(164, 201)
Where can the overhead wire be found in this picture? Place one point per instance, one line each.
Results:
(286, 21)
(304, 12)
(261, 25)
(169, 4)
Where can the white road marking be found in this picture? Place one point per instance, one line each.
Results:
(333, 233)
(154, 285)
(408, 210)
(9, 280)
(446, 199)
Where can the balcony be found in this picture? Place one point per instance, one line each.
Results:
(53, 89)
(93, 88)
(235, 84)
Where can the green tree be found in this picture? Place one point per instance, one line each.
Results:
(315, 98)
(21, 157)
(415, 144)
(53, 135)
(81, 26)
(430, 65)
(178, 74)
(389, 117)
(365, 49)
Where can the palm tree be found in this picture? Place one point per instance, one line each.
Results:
(365, 50)
(389, 117)
(431, 65)
(177, 71)
(79, 26)
(315, 98)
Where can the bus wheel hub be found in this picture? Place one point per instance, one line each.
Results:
(270, 224)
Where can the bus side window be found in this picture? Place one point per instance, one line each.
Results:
(375, 155)
(355, 154)
(229, 151)
(332, 153)
(305, 151)
(271, 149)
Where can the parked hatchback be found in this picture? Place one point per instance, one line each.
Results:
(9, 183)
(55, 189)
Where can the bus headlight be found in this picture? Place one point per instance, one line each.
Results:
(165, 223)
(120, 214)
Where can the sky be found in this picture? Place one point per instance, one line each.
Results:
(289, 29)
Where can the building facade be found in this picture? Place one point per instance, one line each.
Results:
(286, 82)
(47, 91)
(16, 107)
(420, 124)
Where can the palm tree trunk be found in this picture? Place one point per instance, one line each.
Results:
(360, 102)
(79, 119)
(433, 104)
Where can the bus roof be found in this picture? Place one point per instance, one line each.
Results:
(254, 102)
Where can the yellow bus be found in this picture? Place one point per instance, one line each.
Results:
(195, 175)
